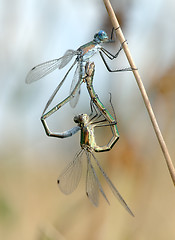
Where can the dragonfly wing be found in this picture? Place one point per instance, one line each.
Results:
(45, 68)
(75, 81)
(58, 87)
(69, 54)
(74, 100)
(70, 177)
(92, 190)
(113, 188)
(93, 184)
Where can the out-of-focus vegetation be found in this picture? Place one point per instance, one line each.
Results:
(31, 204)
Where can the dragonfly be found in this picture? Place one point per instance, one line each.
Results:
(95, 102)
(82, 56)
(71, 175)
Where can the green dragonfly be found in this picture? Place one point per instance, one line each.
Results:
(88, 79)
(70, 177)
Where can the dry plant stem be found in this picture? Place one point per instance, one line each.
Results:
(141, 87)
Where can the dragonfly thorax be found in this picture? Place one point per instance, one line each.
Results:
(87, 51)
(82, 119)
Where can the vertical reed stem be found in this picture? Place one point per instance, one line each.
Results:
(121, 38)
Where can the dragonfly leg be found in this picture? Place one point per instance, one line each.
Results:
(94, 108)
(112, 141)
(115, 134)
(110, 55)
(107, 117)
(116, 70)
(110, 100)
(91, 107)
(114, 130)
(112, 33)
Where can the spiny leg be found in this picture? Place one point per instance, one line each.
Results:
(109, 54)
(110, 100)
(94, 108)
(110, 144)
(116, 70)
(111, 57)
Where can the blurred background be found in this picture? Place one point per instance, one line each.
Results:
(31, 204)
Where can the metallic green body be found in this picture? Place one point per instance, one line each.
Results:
(90, 69)
(87, 126)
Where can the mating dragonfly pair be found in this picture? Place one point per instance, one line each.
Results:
(99, 117)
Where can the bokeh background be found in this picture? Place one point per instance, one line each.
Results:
(31, 204)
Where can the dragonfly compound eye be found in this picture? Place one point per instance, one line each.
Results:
(102, 35)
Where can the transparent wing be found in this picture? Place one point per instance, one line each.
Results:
(45, 68)
(58, 87)
(69, 54)
(113, 188)
(92, 190)
(92, 183)
(76, 79)
(70, 177)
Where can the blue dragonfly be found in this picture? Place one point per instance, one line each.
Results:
(82, 54)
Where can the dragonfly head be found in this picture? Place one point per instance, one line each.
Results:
(81, 119)
(101, 36)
